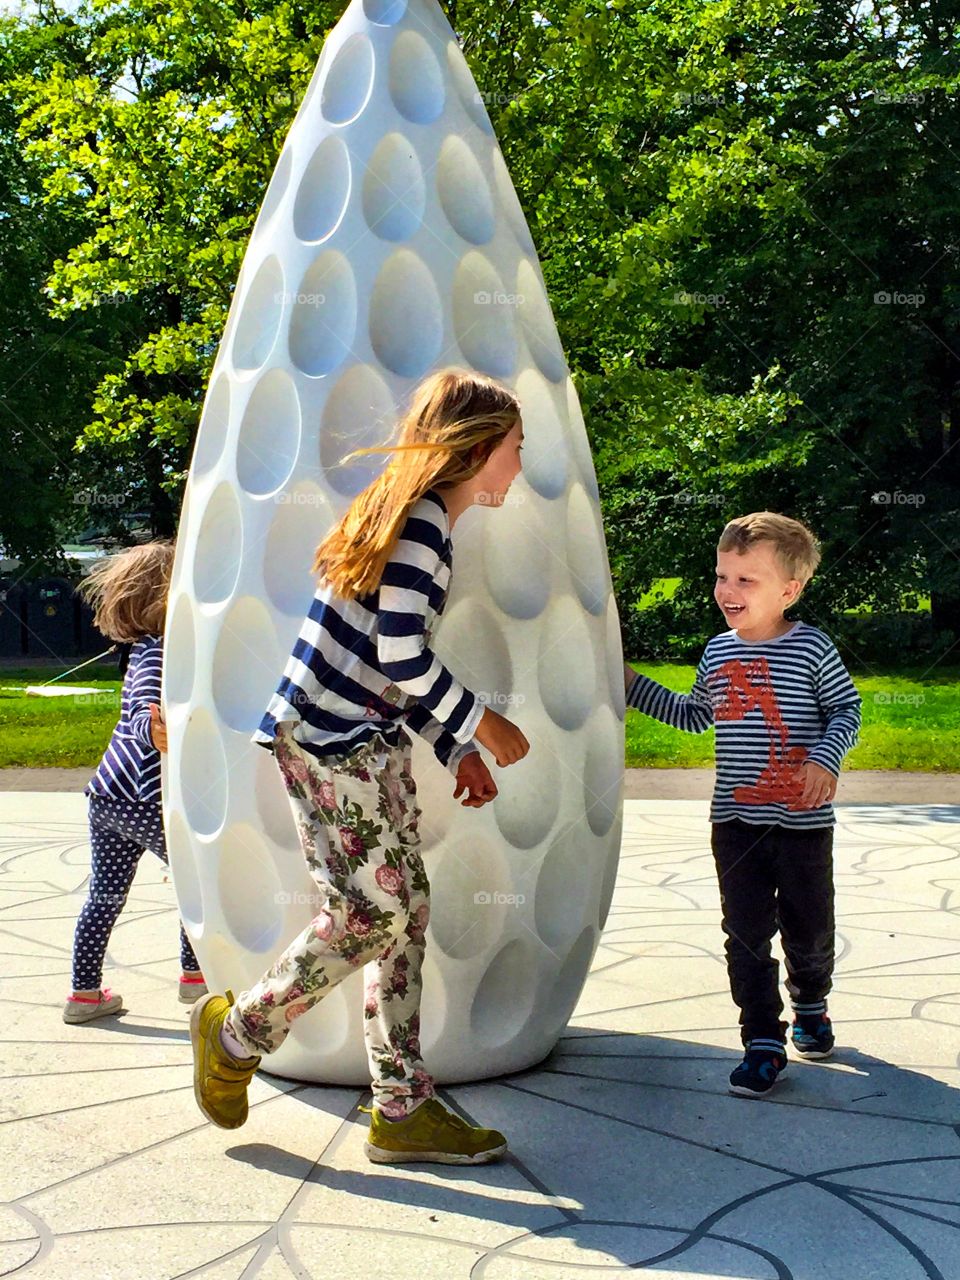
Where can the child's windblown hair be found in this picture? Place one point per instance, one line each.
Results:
(128, 591)
(796, 547)
(455, 421)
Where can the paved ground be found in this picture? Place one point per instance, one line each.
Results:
(861, 786)
(627, 1152)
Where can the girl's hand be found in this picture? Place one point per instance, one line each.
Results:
(628, 677)
(475, 778)
(158, 728)
(501, 738)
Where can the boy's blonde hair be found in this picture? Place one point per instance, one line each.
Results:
(796, 547)
(128, 591)
(455, 421)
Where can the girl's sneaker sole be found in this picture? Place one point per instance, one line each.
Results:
(817, 1054)
(381, 1156)
(72, 1015)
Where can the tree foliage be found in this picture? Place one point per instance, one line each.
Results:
(721, 192)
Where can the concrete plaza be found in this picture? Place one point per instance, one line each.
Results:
(627, 1152)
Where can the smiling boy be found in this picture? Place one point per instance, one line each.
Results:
(786, 713)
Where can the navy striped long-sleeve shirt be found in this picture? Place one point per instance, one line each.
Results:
(365, 666)
(130, 767)
(775, 704)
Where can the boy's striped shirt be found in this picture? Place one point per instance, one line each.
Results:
(775, 704)
(364, 667)
(130, 768)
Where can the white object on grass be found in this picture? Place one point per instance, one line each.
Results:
(61, 690)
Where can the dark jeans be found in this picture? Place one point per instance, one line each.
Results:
(775, 878)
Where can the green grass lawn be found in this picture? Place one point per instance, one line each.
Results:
(65, 732)
(911, 720)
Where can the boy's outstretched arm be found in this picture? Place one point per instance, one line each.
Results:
(692, 712)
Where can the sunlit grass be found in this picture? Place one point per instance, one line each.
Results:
(911, 720)
(64, 732)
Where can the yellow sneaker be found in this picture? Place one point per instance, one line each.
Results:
(219, 1080)
(431, 1134)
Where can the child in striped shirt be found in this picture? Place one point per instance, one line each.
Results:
(129, 592)
(361, 674)
(786, 713)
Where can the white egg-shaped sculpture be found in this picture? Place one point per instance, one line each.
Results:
(391, 243)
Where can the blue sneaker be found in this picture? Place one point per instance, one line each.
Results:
(760, 1069)
(812, 1035)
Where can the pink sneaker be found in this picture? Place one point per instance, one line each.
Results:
(86, 1008)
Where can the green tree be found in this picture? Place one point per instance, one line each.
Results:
(770, 169)
(718, 189)
(48, 367)
(161, 142)
(851, 287)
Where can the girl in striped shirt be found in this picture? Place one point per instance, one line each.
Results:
(361, 674)
(129, 594)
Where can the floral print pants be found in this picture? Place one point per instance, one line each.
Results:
(358, 822)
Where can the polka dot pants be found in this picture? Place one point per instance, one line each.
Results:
(120, 832)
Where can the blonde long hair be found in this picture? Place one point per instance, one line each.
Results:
(128, 591)
(454, 422)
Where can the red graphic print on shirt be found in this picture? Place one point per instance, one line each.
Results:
(746, 687)
(383, 705)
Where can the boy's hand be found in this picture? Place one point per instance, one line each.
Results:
(502, 739)
(475, 778)
(158, 729)
(628, 677)
(819, 785)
